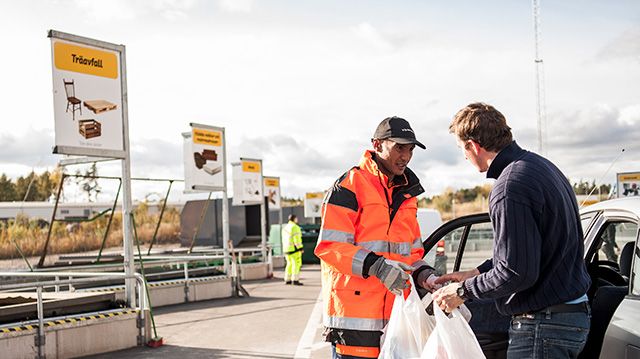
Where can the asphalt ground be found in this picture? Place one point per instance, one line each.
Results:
(276, 321)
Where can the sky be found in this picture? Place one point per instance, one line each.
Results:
(303, 84)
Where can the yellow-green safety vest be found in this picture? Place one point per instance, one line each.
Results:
(291, 237)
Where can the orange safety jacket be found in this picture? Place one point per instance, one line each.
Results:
(362, 214)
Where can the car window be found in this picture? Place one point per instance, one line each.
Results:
(479, 246)
(446, 250)
(613, 238)
(442, 245)
(585, 221)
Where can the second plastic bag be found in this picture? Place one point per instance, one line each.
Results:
(452, 338)
(408, 329)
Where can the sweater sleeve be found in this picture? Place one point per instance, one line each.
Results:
(516, 261)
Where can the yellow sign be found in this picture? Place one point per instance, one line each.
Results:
(271, 182)
(206, 137)
(629, 176)
(312, 195)
(85, 60)
(250, 166)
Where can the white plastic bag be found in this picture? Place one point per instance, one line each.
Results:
(408, 329)
(452, 338)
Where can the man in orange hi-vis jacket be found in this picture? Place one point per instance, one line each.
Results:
(370, 242)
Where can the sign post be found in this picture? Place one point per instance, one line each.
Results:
(205, 169)
(628, 184)
(91, 115)
(313, 204)
(248, 189)
(272, 193)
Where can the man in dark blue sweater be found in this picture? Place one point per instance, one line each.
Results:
(537, 273)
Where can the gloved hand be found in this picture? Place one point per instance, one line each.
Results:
(427, 278)
(392, 274)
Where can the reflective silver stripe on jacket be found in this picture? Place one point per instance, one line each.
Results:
(403, 249)
(418, 264)
(354, 323)
(333, 235)
(358, 262)
(417, 243)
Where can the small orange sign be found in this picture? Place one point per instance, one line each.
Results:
(85, 60)
(628, 177)
(312, 195)
(250, 166)
(206, 137)
(271, 182)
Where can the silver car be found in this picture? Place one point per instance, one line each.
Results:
(611, 254)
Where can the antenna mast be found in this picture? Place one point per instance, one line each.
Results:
(540, 96)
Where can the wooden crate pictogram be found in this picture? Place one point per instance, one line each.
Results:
(90, 128)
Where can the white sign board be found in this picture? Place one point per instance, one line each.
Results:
(88, 83)
(247, 182)
(313, 204)
(272, 192)
(628, 184)
(204, 162)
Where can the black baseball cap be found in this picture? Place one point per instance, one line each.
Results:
(397, 130)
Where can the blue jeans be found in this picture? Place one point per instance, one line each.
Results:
(548, 335)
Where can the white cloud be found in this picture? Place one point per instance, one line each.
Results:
(625, 46)
(128, 10)
(236, 5)
(630, 115)
(372, 36)
(107, 11)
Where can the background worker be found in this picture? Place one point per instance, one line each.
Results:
(292, 247)
(369, 240)
(537, 273)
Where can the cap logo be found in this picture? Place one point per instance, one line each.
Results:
(408, 130)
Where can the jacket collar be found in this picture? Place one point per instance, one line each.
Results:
(507, 155)
(408, 179)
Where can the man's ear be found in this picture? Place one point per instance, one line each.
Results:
(377, 144)
(475, 147)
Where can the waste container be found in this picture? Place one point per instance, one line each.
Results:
(275, 239)
(310, 234)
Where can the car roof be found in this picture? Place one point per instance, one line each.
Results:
(629, 204)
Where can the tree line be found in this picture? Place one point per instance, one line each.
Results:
(444, 202)
(40, 187)
(43, 186)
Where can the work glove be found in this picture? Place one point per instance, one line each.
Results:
(426, 279)
(392, 274)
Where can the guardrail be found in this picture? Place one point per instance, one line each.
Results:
(167, 259)
(181, 261)
(142, 304)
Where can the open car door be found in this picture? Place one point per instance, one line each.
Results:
(461, 244)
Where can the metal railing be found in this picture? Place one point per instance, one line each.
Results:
(142, 305)
(181, 263)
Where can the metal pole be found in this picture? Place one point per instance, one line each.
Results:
(263, 216)
(263, 229)
(129, 265)
(41, 338)
(164, 205)
(53, 218)
(225, 208)
(225, 229)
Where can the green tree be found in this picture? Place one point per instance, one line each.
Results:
(7, 189)
(45, 186)
(26, 189)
